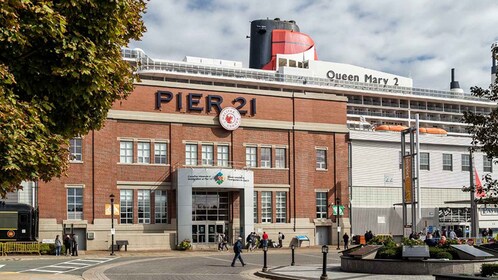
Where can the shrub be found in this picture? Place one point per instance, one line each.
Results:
(489, 269)
(184, 245)
(440, 253)
(412, 242)
(49, 249)
(389, 253)
(385, 240)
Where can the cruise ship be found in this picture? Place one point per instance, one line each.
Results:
(282, 59)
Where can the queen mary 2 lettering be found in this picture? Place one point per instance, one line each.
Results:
(331, 74)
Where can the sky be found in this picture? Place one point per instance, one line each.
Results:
(420, 39)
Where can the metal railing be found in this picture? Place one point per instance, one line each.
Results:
(19, 247)
(147, 65)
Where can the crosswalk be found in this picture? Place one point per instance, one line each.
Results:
(68, 266)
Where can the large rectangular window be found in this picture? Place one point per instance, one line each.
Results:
(321, 205)
(424, 161)
(448, 162)
(255, 207)
(143, 206)
(161, 207)
(266, 157)
(75, 203)
(222, 155)
(321, 159)
(160, 153)
(75, 149)
(251, 158)
(280, 158)
(281, 200)
(487, 164)
(191, 154)
(465, 162)
(126, 206)
(143, 152)
(266, 207)
(207, 155)
(126, 152)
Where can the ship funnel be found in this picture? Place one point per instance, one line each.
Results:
(454, 85)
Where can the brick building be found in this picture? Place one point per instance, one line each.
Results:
(176, 173)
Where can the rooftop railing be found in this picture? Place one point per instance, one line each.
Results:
(146, 64)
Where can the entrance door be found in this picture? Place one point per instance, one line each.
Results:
(322, 235)
(201, 235)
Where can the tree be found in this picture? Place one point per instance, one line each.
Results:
(60, 72)
(484, 131)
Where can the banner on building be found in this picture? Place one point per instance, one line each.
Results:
(407, 178)
(479, 190)
(108, 209)
(341, 210)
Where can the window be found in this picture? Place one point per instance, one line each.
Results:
(281, 200)
(487, 164)
(255, 207)
(266, 207)
(126, 206)
(280, 158)
(321, 159)
(424, 161)
(400, 160)
(161, 207)
(191, 154)
(75, 203)
(144, 206)
(447, 162)
(321, 205)
(126, 152)
(143, 150)
(251, 158)
(207, 155)
(465, 162)
(222, 156)
(160, 153)
(75, 149)
(266, 157)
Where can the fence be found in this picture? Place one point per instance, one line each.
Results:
(19, 247)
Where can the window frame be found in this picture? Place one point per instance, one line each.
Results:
(465, 159)
(321, 165)
(207, 154)
(222, 156)
(487, 164)
(266, 207)
(72, 195)
(251, 156)
(125, 151)
(125, 204)
(143, 206)
(161, 206)
(76, 144)
(160, 153)
(425, 166)
(281, 207)
(265, 161)
(191, 154)
(321, 202)
(143, 152)
(280, 158)
(446, 166)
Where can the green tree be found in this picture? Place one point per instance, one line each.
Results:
(60, 72)
(484, 131)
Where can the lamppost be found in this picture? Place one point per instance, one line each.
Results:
(265, 250)
(292, 248)
(325, 250)
(112, 223)
(338, 202)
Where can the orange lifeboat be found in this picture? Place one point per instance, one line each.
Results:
(432, 130)
(386, 127)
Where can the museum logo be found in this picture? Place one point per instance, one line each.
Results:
(219, 178)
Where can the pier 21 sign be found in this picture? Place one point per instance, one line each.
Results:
(193, 102)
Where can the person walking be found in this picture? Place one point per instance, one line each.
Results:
(58, 245)
(237, 249)
(265, 239)
(220, 242)
(280, 239)
(224, 242)
(345, 237)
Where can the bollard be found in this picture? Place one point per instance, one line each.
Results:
(265, 250)
(325, 250)
(292, 248)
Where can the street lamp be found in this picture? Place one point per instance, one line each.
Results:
(265, 250)
(325, 250)
(338, 202)
(292, 248)
(112, 223)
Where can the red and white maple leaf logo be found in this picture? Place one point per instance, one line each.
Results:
(229, 118)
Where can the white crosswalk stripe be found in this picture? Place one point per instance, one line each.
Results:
(68, 266)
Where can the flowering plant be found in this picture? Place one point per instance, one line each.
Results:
(185, 245)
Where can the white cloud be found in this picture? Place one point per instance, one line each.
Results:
(422, 39)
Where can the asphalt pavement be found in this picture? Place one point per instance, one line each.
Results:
(175, 265)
